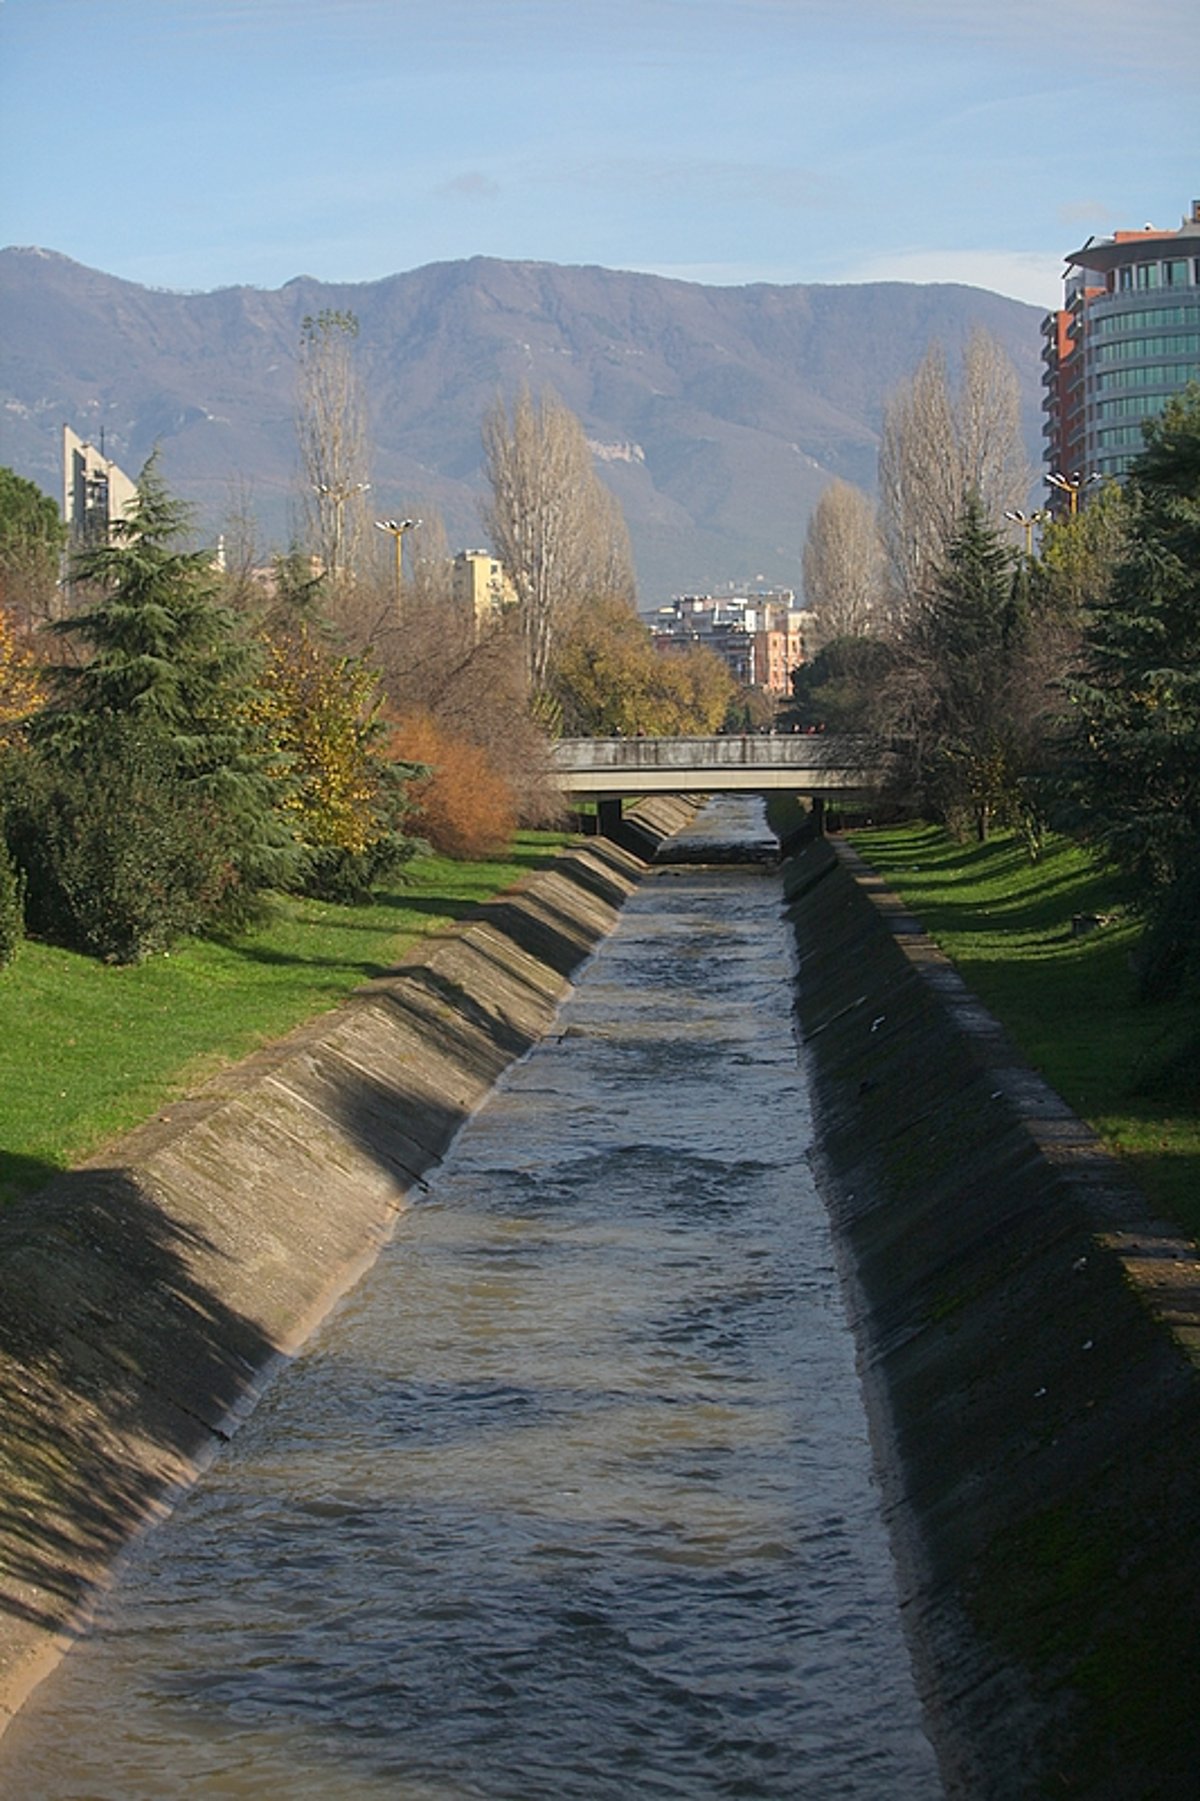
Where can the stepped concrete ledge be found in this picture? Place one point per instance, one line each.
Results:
(147, 1296)
(1030, 1345)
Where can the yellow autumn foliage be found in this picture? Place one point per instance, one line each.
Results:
(22, 690)
(609, 679)
(322, 709)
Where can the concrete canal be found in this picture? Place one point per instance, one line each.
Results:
(572, 1499)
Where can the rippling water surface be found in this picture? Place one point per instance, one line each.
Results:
(572, 1498)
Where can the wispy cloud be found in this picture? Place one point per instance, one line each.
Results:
(472, 184)
(1022, 275)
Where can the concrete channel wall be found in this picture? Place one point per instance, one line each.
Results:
(146, 1297)
(1031, 1349)
(1030, 1343)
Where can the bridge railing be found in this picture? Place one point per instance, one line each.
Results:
(785, 750)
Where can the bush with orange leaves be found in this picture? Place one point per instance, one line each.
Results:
(462, 807)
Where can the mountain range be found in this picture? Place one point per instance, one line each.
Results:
(717, 414)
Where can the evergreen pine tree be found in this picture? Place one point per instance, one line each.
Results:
(169, 672)
(167, 653)
(1132, 777)
(963, 646)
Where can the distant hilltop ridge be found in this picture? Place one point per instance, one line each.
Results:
(717, 414)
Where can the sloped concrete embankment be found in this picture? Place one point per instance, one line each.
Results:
(145, 1297)
(1031, 1346)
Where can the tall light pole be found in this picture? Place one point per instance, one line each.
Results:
(1071, 485)
(397, 528)
(1027, 521)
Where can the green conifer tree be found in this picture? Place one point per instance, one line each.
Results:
(1131, 783)
(169, 683)
(962, 649)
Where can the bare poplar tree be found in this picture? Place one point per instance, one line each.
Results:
(429, 582)
(920, 478)
(614, 577)
(938, 448)
(552, 523)
(331, 426)
(844, 564)
(995, 465)
(239, 548)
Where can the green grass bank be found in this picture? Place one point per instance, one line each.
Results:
(1048, 946)
(89, 1051)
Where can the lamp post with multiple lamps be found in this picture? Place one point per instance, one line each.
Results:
(397, 529)
(1027, 521)
(1070, 485)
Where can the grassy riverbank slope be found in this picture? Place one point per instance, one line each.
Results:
(88, 1051)
(1067, 996)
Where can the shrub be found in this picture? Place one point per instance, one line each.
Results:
(345, 800)
(120, 855)
(460, 805)
(349, 877)
(21, 688)
(12, 908)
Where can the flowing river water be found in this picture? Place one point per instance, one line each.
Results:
(572, 1499)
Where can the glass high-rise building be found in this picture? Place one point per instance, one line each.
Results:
(1126, 338)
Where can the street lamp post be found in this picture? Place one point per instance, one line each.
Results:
(397, 529)
(1027, 521)
(1071, 485)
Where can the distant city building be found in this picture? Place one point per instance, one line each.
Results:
(1125, 340)
(480, 585)
(95, 492)
(761, 638)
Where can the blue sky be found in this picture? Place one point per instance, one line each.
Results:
(205, 143)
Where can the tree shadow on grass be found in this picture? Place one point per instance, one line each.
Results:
(19, 1174)
(271, 957)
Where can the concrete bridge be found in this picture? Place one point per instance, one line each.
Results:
(823, 766)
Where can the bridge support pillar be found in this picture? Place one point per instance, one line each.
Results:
(608, 817)
(818, 816)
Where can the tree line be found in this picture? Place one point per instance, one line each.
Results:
(179, 736)
(1030, 686)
